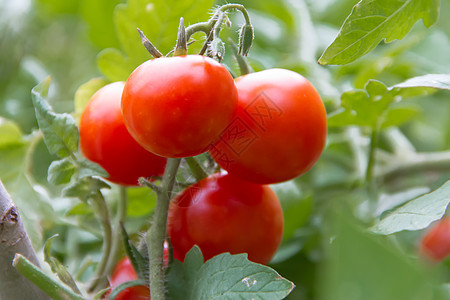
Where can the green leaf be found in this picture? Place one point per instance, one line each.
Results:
(89, 168)
(140, 262)
(379, 105)
(361, 265)
(58, 268)
(125, 285)
(114, 65)
(225, 277)
(399, 114)
(10, 134)
(60, 171)
(84, 188)
(371, 21)
(86, 91)
(417, 214)
(435, 81)
(141, 201)
(59, 130)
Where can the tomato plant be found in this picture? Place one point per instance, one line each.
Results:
(105, 140)
(222, 213)
(178, 106)
(279, 131)
(436, 241)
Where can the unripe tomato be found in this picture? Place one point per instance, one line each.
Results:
(279, 131)
(178, 106)
(222, 213)
(436, 242)
(124, 272)
(105, 140)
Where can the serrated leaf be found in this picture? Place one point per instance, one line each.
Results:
(86, 91)
(59, 130)
(361, 265)
(378, 104)
(417, 214)
(89, 168)
(84, 188)
(60, 171)
(372, 21)
(225, 277)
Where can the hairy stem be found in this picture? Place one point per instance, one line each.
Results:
(157, 232)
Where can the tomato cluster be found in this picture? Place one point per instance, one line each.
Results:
(261, 128)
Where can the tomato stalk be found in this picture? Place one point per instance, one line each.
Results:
(244, 67)
(157, 232)
(117, 235)
(181, 47)
(102, 211)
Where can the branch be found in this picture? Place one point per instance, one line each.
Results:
(14, 239)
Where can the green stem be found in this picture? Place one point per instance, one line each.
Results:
(242, 62)
(239, 7)
(196, 168)
(117, 235)
(102, 211)
(370, 181)
(53, 288)
(157, 232)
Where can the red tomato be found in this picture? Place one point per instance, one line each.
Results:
(436, 242)
(124, 272)
(105, 140)
(222, 213)
(178, 106)
(279, 131)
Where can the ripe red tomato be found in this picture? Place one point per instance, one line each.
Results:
(222, 213)
(105, 140)
(124, 272)
(178, 106)
(436, 242)
(279, 131)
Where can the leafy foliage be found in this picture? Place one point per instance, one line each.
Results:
(417, 214)
(224, 277)
(374, 20)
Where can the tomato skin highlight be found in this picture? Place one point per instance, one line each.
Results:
(279, 131)
(178, 106)
(435, 245)
(105, 140)
(124, 272)
(222, 213)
